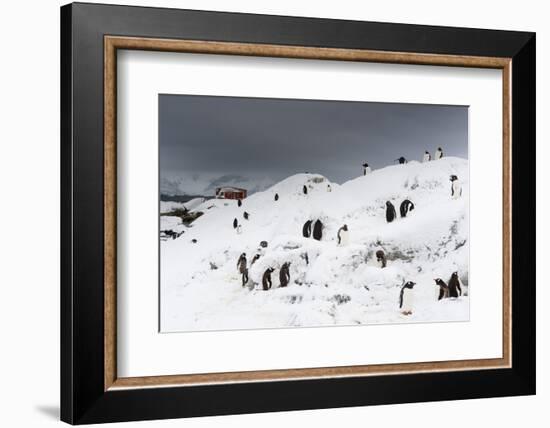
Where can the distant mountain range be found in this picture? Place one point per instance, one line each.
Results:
(205, 185)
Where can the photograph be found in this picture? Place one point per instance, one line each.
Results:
(285, 213)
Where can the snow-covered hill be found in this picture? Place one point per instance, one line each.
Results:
(337, 285)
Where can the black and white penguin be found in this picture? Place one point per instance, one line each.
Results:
(405, 207)
(235, 223)
(318, 230)
(276, 197)
(366, 169)
(263, 244)
(254, 259)
(454, 286)
(443, 288)
(284, 274)
(239, 202)
(438, 153)
(427, 156)
(304, 189)
(401, 160)
(241, 263)
(406, 298)
(306, 229)
(343, 235)
(266, 279)
(390, 212)
(381, 259)
(244, 277)
(329, 188)
(246, 215)
(456, 187)
(194, 241)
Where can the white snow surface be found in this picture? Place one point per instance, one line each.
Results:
(168, 206)
(342, 284)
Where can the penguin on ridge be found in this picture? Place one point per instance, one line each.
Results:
(427, 156)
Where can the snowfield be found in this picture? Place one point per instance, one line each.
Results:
(201, 287)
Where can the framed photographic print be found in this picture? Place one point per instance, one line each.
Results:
(265, 213)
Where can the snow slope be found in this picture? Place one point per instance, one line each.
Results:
(341, 285)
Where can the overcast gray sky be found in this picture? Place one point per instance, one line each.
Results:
(275, 138)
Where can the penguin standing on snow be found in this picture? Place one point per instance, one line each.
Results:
(405, 207)
(306, 230)
(266, 279)
(381, 258)
(254, 259)
(304, 189)
(454, 286)
(443, 289)
(456, 187)
(427, 156)
(329, 189)
(243, 270)
(318, 230)
(390, 212)
(366, 169)
(343, 235)
(438, 153)
(246, 215)
(239, 202)
(235, 223)
(284, 274)
(406, 298)
(276, 197)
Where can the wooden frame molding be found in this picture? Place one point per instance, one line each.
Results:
(113, 43)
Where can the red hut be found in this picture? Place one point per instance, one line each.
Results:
(230, 193)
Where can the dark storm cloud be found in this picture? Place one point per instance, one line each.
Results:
(258, 137)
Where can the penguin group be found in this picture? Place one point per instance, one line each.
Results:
(314, 228)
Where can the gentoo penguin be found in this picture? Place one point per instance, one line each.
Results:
(239, 202)
(406, 298)
(235, 223)
(390, 212)
(246, 215)
(366, 169)
(454, 286)
(276, 196)
(405, 207)
(304, 189)
(381, 258)
(401, 160)
(306, 230)
(456, 187)
(284, 274)
(244, 277)
(343, 235)
(329, 189)
(318, 230)
(266, 278)
(263, 244)
(427, 156)
(241, 263)
(438, 153)
(443, 289)
(254, 259)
